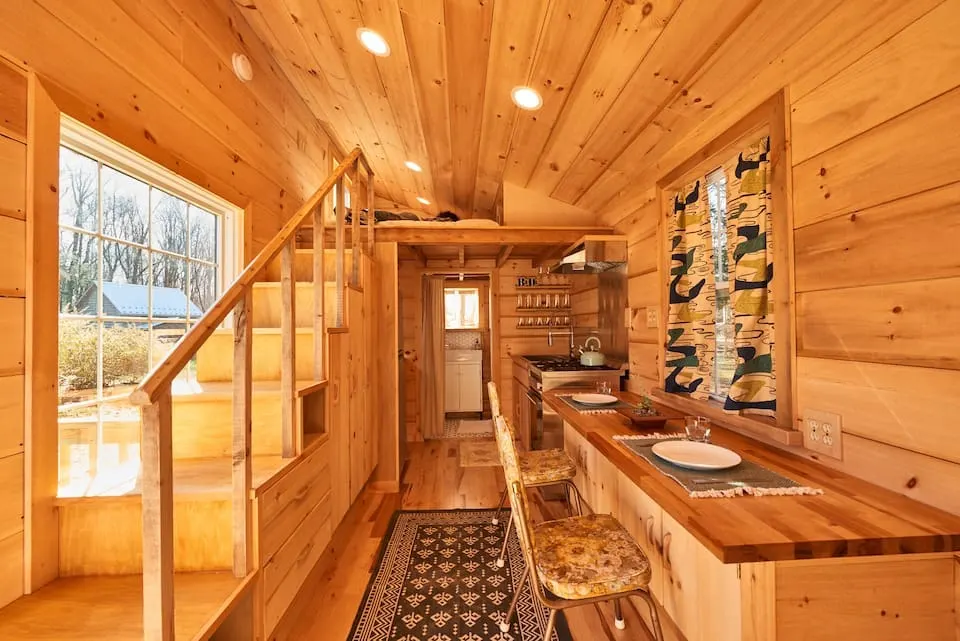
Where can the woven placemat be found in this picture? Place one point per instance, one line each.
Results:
(747, 478)
(592, 409)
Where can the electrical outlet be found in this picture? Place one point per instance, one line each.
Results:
(652, 317)
(823, 433)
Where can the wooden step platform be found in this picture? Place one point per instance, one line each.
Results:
(111, 607)
(206, 477)
(100, 528)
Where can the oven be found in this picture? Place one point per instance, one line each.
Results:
(546, 426)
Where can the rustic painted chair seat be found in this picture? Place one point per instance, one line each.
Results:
(588, 556)
(574, 561)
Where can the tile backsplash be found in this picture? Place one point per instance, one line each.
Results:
(463, 339)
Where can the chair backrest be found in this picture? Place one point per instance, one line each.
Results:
(517, 493)
(494, 398)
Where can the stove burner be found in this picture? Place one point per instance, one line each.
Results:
(560, 364)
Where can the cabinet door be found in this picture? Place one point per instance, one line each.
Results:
(604, 480)
(471, 388)
(573, 445)
(643, 518)
(701, 594)
(451, 388)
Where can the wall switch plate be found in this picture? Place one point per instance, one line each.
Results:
(823, 432)
(652, 317)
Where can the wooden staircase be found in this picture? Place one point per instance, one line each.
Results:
(246, 466)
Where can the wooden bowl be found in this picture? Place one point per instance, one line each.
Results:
(655, 422)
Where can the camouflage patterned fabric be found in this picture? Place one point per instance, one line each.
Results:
(691, 336)
(750, 254)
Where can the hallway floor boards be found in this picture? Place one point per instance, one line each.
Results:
(433, 479)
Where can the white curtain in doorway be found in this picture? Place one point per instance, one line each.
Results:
(431, 365)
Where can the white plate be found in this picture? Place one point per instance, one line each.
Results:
(595, 399)
(696, 456)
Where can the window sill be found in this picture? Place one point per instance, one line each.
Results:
(762, 428)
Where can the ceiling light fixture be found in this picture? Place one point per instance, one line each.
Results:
(373, 42)
(422, 200)
(526, 98)
(412, 166)
(242, 67)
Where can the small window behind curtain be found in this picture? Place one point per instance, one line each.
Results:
(461, 308)
(725, 362)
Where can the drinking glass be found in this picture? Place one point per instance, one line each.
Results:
(603, 387)
(698, 428)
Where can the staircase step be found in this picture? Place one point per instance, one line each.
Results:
(303, 266)
(215, 358)
(93, 608)
(202, 428)
(267, 304)
(100, 531)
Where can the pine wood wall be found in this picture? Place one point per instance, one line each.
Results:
(13, 290)
(156, 76)
(876, 196)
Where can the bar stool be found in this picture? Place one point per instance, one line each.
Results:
(580, 559)
(540, 468)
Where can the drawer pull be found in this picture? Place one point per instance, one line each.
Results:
(648, 531)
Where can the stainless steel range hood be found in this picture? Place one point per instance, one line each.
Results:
(592, 255)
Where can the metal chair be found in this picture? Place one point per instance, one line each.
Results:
(573, 561)
(540, 468)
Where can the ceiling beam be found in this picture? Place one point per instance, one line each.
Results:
(418, 253)
(462, 255)
(504, 255)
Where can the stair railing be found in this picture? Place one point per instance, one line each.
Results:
(154, 394)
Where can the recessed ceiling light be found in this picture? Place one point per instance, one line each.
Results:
(373, 42)
(413, 166)
(526, 98)
(422, 200)
(242, 67)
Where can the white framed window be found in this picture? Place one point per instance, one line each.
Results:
(461, 306)
(143, 254)
(725, 358)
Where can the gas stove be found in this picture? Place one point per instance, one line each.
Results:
(562, 364)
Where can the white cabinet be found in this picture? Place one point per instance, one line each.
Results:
(463, 388)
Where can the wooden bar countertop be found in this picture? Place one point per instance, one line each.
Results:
(851, 518)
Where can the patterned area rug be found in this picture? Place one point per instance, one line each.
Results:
(437, 580)
(479, 454)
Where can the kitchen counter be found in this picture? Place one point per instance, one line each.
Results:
(852, 518)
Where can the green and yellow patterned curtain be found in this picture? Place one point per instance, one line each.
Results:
(690, 326)
(750, 260)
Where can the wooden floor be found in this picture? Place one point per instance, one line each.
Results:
(98, 608)
(433, 479)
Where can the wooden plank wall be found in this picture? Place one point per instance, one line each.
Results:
(13, 291)
(157, 77)
(876, 193)
(506, 339)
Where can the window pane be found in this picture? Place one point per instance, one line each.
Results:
(126, 348)
(203, 288)
(169, 287)
(125, 207)
(78, 273)
(203, 234)
(125, 271)
(725, 361)
(78, 348)
(77, 447)
(78, 190)
(169, 231)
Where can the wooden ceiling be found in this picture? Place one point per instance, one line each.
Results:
(618, 78)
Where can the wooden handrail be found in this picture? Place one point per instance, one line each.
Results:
(162, 376)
